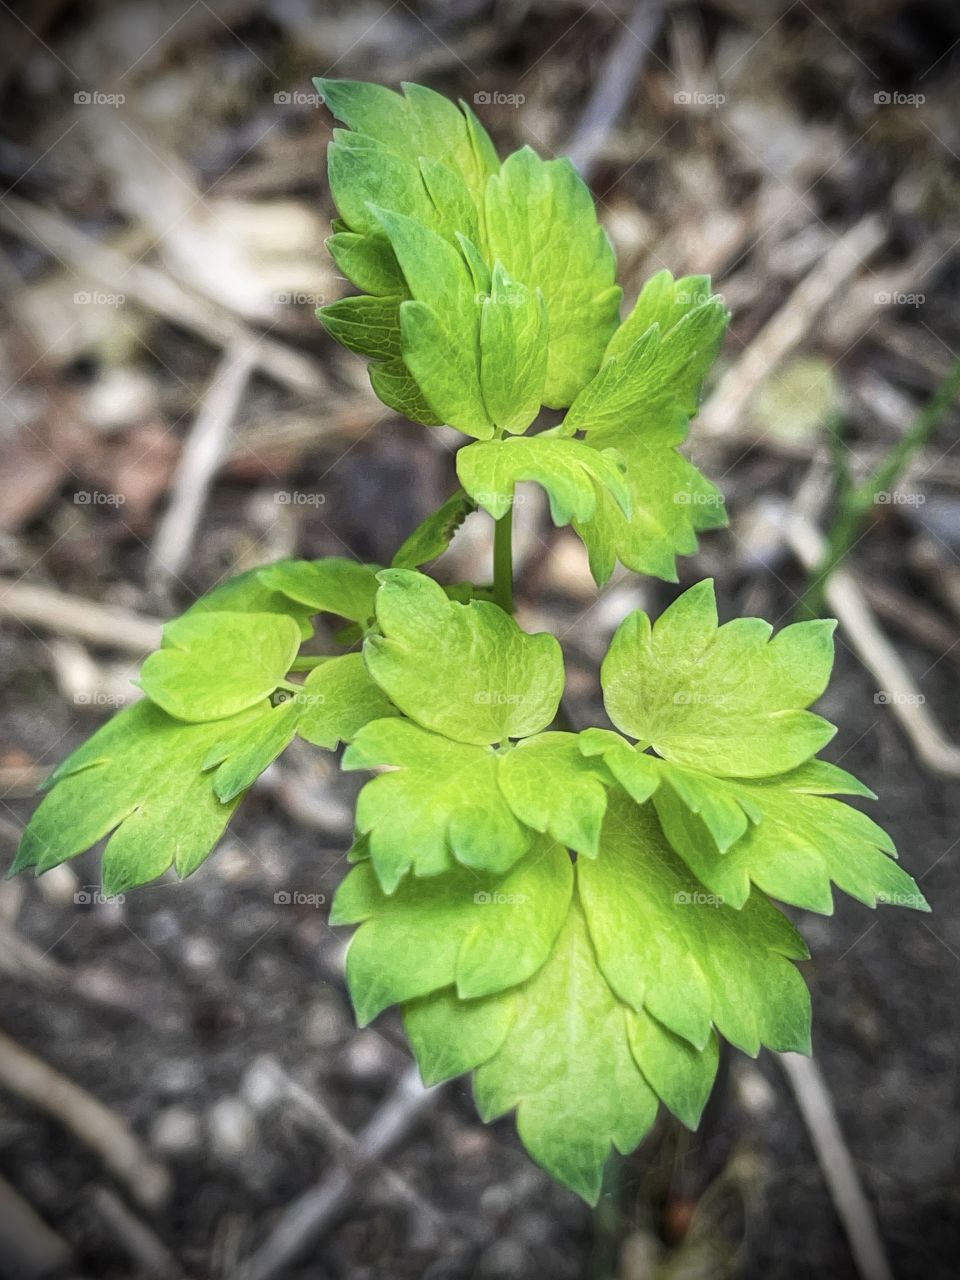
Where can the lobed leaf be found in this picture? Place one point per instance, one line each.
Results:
(431, 538)
(727, 700)
(138, 780)
(476, 931)
(542, 225)
(514, 349)
(552, 787)
(214, 665)
(441, 802)
(576, 477)
(343, 587)
(466, 671)
(667, 946)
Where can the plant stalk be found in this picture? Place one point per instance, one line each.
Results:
(503, 560)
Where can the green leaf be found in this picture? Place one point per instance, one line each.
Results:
(473, 930)
(338, 699)
(421, 123)
(669, 502)
(368, 262)
(216, 664)
(552, 787)
(240, 757)
(654, 385)
(431, 538)
(668, 946)
(440, 327)
(139, 777)
(364, 174)
(395, 385)
(513, 347)
(542, 225)
(664, 302)
(574, 475)
(566, 1066)
(440, 802)
(726, 700)
(451, 1036)
(368, 325)
(795, 845)
(344, 587)
(577, 1063)
(466, 671)
(247, 593)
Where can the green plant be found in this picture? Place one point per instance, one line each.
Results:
(575, 917)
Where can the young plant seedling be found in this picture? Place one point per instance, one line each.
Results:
(574, 917)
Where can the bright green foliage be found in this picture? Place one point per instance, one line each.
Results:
(343, 587)
(441, 802)
(552, 787)
(439, 323)
(338, 699)
(466, 671)
(248, 593)
(479, 932)
(434, 535)
(241, 755)
(216, 664)
(653, 369)
(666, 944)
(141, 778)
(513, 345)
(542, 225)
(729, 700)
(669, 502)
(575, 476)
(799, 843)
(577, 918)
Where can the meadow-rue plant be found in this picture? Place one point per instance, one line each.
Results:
(574, 917)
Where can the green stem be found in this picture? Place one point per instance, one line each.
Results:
(503, 560)
(856, 503)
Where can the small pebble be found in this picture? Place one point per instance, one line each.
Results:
(175, 1131)
(233, 1129)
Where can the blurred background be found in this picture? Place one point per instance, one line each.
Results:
(182, 1090)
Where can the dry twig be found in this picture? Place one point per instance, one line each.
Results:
(318, 1207)
(99, 624)
(205, 450)
(37, 1083)
(839, 1172)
